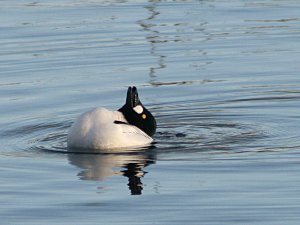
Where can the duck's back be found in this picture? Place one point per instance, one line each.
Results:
(97, 129)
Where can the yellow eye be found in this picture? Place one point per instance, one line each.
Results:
(144, 116)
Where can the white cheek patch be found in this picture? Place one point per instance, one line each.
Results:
(138, 109)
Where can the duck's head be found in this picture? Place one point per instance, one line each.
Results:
(136, 114)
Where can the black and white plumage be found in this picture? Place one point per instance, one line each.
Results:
(131, 126)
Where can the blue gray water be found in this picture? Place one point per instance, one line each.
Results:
(221, 77)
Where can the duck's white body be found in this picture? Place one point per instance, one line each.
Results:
(96, 129)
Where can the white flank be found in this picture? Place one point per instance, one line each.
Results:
(97, 129)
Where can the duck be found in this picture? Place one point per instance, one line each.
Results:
(131, 126)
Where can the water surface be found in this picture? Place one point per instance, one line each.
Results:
(221, 78)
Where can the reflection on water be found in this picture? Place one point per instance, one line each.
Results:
(102, 166)
(152, 36)
(221, 77)
(159, 34)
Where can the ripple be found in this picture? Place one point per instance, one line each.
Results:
(192, 127)
(183, 127)
(33, 135)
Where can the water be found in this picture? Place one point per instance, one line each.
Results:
(221, 77)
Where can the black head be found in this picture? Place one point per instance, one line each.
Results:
(136, 114)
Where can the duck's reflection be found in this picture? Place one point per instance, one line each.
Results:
(102, 166)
